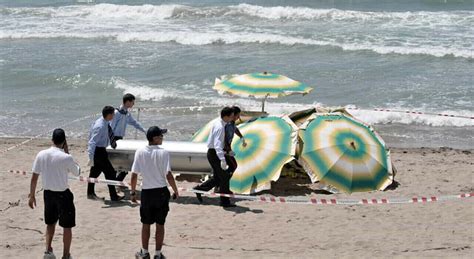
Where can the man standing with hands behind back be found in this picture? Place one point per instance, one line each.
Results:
(53, 165)
(153, 163)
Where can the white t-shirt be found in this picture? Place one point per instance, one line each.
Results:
(53, 165)
(153, 163)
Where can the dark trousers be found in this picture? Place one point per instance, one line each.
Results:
(102, 164)
(220, 178)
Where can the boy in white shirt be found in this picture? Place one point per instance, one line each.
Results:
(153, 163)
(53, 165)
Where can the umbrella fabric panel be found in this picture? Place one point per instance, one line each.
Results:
(203, 134)
(343, 152)
(271, 143)
(262, 85)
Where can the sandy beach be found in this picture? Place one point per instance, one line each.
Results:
(256, 229)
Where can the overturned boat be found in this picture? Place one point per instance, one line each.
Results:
(185, 157)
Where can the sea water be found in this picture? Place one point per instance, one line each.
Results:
(62, 60)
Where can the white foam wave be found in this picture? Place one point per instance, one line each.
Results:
(99, 11)
(305, 13)
(382, 117)
(209, 38)
(145, 92)
(157, 23)
(166, 11)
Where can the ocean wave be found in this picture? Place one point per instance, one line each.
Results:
(107, 11)
(176, 11)
(382, 117)
(217, 38)
(436, 34)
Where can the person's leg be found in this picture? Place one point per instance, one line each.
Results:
(212, 181)
(67, 238)
(145, 235)
(94, 173)
(159, 236)
(221, 176)
(232, 163)
(67, 219)
(110, 174)
(49, 236)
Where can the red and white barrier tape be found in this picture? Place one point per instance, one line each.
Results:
(46, 132)
(413, 112)
(82, 179)
(292, 200)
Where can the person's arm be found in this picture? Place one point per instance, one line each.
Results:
(133, 185)
(113, 123)
(237, 131)
(172, 182)
(65, 147)
(73, 167)
(134, 123)
(93, 142)
(133, 181)
(31, 196)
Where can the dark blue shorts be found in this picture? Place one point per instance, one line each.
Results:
(59, 206)
(154, 205)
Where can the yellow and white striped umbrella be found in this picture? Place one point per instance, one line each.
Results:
(203, 134)
(344, 153)
(261, 85)
(271, 143)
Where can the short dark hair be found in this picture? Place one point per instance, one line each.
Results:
(226, 111)
(107, 110)
(59, 136)
(236, 109)
(154, 131)
(128, 98)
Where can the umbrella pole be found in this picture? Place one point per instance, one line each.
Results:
(263, 103)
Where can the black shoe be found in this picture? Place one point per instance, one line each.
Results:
(118, 198)
(199, 197)
(161, 256)
(94, 197)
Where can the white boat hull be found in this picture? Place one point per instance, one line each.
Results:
(185, 157)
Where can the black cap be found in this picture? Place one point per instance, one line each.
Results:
(154, 131)
(59, 136)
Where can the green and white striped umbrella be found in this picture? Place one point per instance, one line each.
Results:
(203, 133)
(271, 143)
(344, 153)
(261, 85)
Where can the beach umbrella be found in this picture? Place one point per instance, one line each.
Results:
(271, 143)
(261, 85)
(345, 154)
(203, 133)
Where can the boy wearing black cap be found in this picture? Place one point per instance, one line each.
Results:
(53, 165)
(153, 163)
